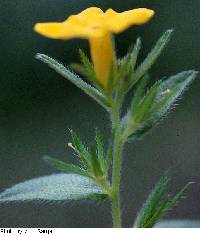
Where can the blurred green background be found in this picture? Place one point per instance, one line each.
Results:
(38, 107)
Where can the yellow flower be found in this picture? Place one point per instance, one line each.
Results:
(96, 26)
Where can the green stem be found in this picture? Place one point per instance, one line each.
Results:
(116, 176)
(116, 167)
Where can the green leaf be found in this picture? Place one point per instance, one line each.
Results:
(109, 152)
(60, 165)
(167, 94)
(97, 170)
(79, 68)
(86, 62)
(82, 152)
(151, 58)
(167, 205)
(92, 158)
(112, 79)
(139, 114)
(158, 203)
(76, 80)
(134, 55)
(56, 187)
(177, 198)
(127, 64)
(89, 68)
(139, 93)
(152, 202)
(100, 149)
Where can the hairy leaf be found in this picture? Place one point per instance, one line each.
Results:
(79, 68)
(96, 166)
(151, 58)
(57, 187)
(76, 80)
(60, 165)
(167, 94)
(152, 202)
(128, 63)
(139, 93)
(158, 204)
(109, 152)
(89, 69)
(143, 108)
(100, 149)
(93, 159)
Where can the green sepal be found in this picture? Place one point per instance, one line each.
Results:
(76, 80)
(158, 203)
(60, 165)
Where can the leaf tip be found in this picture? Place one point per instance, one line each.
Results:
(170, 31)
(46, 158)
(39, 56)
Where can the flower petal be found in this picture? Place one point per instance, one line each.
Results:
(68, 30)
(91, 11)
(102, 55)
(51, 30)
(83, 25)
(118, 22)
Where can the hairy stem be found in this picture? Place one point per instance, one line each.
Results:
(116, 176)
(116, 167)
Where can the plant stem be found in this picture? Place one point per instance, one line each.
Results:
(116, 167)
(116, 176)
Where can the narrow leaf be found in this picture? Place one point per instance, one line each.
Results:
(127, 64)
(79, 68)
(89, 69)
(96, 166)
(147, 102)
(82, 151)
(65, 166)
(134, 54)
(153, 201)
(109, 152)
(158, 204)
(151, 58)
(176, 199)
(100, 149)
(167, 205)
(76, 80)
(158, 214)
(139, 93)
(112, 79)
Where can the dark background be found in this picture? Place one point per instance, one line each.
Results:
(37, 107)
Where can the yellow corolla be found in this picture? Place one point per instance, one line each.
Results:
(96, 26)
